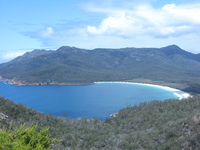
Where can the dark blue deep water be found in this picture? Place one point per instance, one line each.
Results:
(97, 100)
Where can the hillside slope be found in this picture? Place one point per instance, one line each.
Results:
(70, 65)
(169, 124)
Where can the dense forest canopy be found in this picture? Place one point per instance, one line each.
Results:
(169, 124)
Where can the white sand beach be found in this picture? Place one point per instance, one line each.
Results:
(180, 94)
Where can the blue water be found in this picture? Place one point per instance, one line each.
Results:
(98, 100)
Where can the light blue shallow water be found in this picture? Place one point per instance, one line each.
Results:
(97, 100)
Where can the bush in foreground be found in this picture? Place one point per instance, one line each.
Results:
(25, 138)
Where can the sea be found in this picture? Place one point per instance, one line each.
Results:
(76, 101)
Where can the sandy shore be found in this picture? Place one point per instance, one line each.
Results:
(180, 94)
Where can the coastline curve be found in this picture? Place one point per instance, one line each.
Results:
(180, 94)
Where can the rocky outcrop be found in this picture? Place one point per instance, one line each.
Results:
(3, 119)
(196, 119)
(2, 116)
(15, 81)
(114, 114)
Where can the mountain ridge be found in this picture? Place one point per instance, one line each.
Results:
(71, 65)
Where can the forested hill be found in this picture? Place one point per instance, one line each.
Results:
(169, 124)
(71, 65)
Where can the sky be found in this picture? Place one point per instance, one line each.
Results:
(26, 25)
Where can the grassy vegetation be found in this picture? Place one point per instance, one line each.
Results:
(169, 124)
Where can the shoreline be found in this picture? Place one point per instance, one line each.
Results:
(21, 83)
(180, 94)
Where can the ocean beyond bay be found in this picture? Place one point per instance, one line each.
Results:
(76, 101)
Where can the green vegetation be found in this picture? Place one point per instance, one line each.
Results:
(70, 65)
(169, 124)
(25, 139)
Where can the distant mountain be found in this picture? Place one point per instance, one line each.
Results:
(175, 50)
(71, 65)
(198, 56)
(30, 55)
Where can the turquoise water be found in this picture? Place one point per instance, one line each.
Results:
(97, 100)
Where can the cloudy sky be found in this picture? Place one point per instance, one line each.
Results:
(49, 24)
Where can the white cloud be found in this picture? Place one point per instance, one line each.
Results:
(170, 20)
(113, 25)
(127, 24)
(9, 55)
(47, 32)
(183, 13)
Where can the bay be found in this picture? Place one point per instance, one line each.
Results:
(76, 101)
